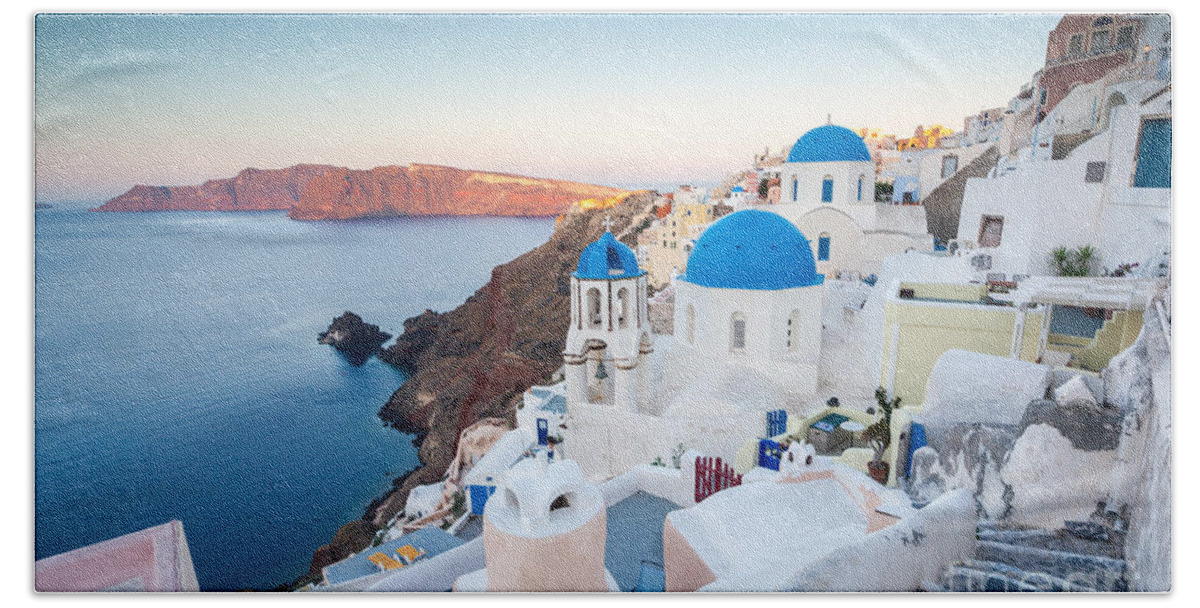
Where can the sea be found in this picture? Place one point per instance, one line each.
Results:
(178, 374)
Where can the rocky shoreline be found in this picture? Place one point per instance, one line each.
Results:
(477, 360)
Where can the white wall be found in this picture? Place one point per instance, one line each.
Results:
(1047, 204)
(900, 557)
(811, 175)
(766, 313)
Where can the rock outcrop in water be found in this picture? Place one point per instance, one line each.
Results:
(356, 340)
(324, 192)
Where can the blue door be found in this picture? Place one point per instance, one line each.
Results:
(543, 431)
(479, 497)
(916, 441)
(769, 454)
(827, 191)
(823, 249)
(1154, 155)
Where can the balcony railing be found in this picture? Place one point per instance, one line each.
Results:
(1123, 47)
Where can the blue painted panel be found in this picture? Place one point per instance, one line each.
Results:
(916, 441)
(479, 497)
(543, 427)
(769, 454)
(795, 190)
(652, 578)
(826, 191)
(776, 423)
(823, 248)
(1154, 155)
(860, 182)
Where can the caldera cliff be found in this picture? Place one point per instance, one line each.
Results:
(323, 192)
(476, 360)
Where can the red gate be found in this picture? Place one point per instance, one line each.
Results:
(712, 476)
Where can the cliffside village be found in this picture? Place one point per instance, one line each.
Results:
(867, 363)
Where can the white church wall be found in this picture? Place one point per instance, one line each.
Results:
(845, 175)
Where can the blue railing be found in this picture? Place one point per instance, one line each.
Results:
(776, 423)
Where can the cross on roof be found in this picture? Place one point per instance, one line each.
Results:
(608, 223)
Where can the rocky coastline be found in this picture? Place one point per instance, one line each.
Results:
(477, 360)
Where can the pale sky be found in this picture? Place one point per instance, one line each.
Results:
(624, 100)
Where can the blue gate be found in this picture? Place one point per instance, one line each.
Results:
(769, 454)
(776, 423)
(915, 442)
(479, 497)
(543, 431)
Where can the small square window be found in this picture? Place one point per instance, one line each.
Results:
(1095, 172)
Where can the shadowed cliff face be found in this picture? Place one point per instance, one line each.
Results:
(323, 192)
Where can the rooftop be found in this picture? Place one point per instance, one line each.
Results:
(635, 536)
(432, 540)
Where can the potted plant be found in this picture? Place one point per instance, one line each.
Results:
(879, 436)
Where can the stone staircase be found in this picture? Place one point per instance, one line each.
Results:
(1086, 558)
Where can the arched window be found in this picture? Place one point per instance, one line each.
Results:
(623, 315)
(593, 308)
(795, 189)
(737, 332)
(860, 186)
(823, 247)
(691, 324)
(827, 189)
(793, 325)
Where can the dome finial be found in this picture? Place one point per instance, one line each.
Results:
(829, 119)
(608, 223)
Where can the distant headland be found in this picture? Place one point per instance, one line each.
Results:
(325, 192)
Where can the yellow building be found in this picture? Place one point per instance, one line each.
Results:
(672, 237)
(924, 320)
(925, 137)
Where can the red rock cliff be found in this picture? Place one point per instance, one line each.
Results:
(323, 192)
(250, 190)
(434, 190)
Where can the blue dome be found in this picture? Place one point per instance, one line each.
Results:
(607, 258)
(829, 143)
(738, 189)
(753, 249)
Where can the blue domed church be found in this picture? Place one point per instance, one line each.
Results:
(747, 340)
(827, 190)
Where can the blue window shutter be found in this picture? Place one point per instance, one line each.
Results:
(823, 249)
(795, 190)
(827, 191)
(1154, 155)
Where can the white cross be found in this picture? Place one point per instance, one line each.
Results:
(608, 223)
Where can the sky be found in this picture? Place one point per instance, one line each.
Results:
(634, 100)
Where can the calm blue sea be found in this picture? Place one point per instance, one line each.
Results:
(178, 374)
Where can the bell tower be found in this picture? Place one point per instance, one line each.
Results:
(610, 329)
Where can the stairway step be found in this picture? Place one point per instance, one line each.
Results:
(1093, 571)
(933, 587)
(962, 578)
(1041, 580)
(1054, 540)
